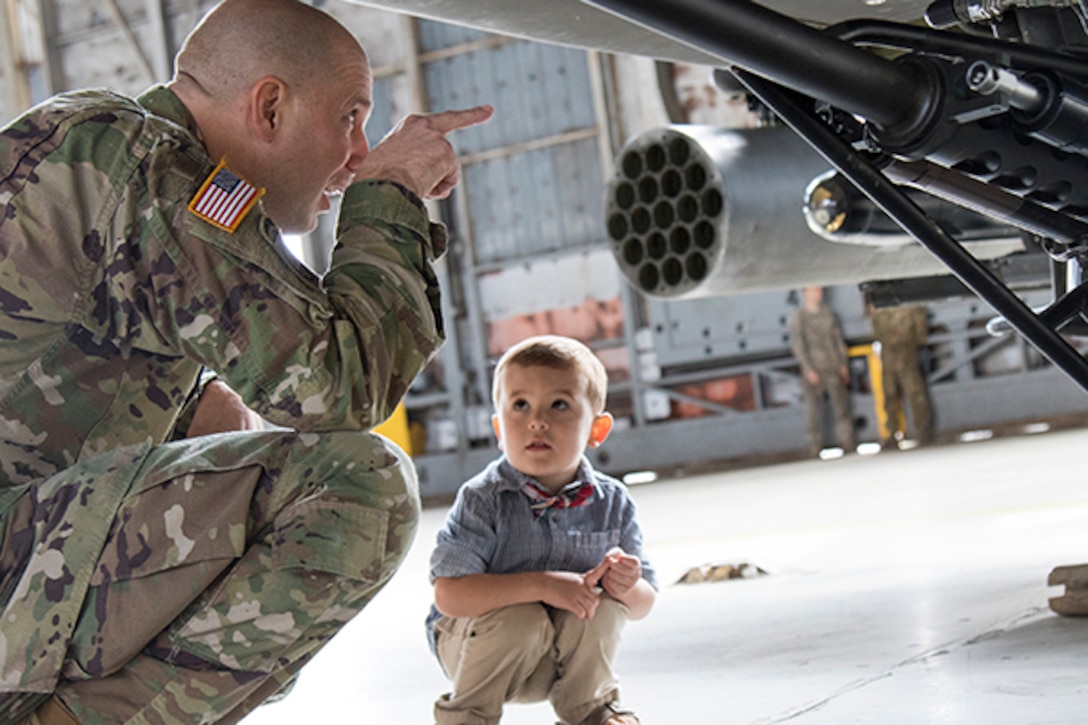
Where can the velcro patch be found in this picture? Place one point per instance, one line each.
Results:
(224, 198)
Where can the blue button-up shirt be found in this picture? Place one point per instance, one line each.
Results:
(492, 529)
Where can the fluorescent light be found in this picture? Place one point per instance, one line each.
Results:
(830, 454)
(637, 477)
(972, 436)
(869, 448)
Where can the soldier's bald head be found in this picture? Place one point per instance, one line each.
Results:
(242, 41)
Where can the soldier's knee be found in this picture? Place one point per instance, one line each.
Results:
(364, 468)
(361, 520)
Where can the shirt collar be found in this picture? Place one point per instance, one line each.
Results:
(511, 479)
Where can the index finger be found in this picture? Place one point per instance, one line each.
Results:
(592, 576)
(446, 121)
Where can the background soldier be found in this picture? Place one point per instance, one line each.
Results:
(901, 331)
(143, 580)
(817, 342)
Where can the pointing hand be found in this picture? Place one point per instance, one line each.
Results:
(417, 154)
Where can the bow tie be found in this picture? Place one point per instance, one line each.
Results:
(543, 500)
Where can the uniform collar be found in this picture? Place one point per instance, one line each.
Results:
(163, 102)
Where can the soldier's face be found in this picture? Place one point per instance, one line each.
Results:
(323, 145)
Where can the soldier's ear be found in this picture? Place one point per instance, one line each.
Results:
(267, 100)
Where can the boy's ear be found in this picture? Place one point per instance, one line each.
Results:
(498, 429)
(602, 426)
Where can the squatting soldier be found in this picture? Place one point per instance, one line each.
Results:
(901, 331)
(144, 580)
(817, 342)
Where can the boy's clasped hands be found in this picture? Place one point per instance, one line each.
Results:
(580, 594)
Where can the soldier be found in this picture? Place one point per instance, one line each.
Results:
(901, 331)
(144, 580)
(817, 343)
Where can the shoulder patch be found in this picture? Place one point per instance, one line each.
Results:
(224, 198)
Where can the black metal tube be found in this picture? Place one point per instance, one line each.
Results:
(1065, 309)
(881, 33)
(991, 201)
(899, 207)
(777, 47)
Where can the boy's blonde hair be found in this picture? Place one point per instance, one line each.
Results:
(559, 353)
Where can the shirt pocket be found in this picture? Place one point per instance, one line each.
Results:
(152, 536)
(589, 547)
(596, 539)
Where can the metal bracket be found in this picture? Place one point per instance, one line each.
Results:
(792, 107)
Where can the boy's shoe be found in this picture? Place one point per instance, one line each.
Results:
(607, 712)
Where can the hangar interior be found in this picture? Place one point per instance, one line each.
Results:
(693, 381)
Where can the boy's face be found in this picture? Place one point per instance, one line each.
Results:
(544, 422)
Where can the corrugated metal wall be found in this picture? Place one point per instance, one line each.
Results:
(528, 183)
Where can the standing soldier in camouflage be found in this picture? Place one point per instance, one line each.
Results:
(817, 343)
(901, 331)
(149, 581)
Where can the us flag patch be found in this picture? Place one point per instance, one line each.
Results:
(224, 198)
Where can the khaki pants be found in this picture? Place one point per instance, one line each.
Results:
(231, 561)
(528, 653)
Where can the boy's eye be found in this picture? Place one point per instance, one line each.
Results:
(520, 404)
(560, 405)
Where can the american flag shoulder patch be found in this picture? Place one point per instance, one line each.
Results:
(224, 198)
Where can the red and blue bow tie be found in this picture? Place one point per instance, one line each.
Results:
(566, 499)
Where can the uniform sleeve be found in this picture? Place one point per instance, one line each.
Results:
(877, 320)
(309, 353)
(466, 544)
(839, 341)
(921, 325)
(797, 343)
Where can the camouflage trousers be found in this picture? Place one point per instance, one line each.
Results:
(833, 385)
(229, 561)
(902, 379)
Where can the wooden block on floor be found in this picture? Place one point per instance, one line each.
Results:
(720, 573)
(1074, 603)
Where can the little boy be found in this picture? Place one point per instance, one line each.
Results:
(540, 562)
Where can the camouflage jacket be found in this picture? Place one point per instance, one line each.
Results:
(113, 295)
(900, 330)
(816, 340)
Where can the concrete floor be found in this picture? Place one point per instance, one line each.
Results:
(904, 587)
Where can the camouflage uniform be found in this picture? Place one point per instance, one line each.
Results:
(901, 331)
(149, 581)
(817, 343)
